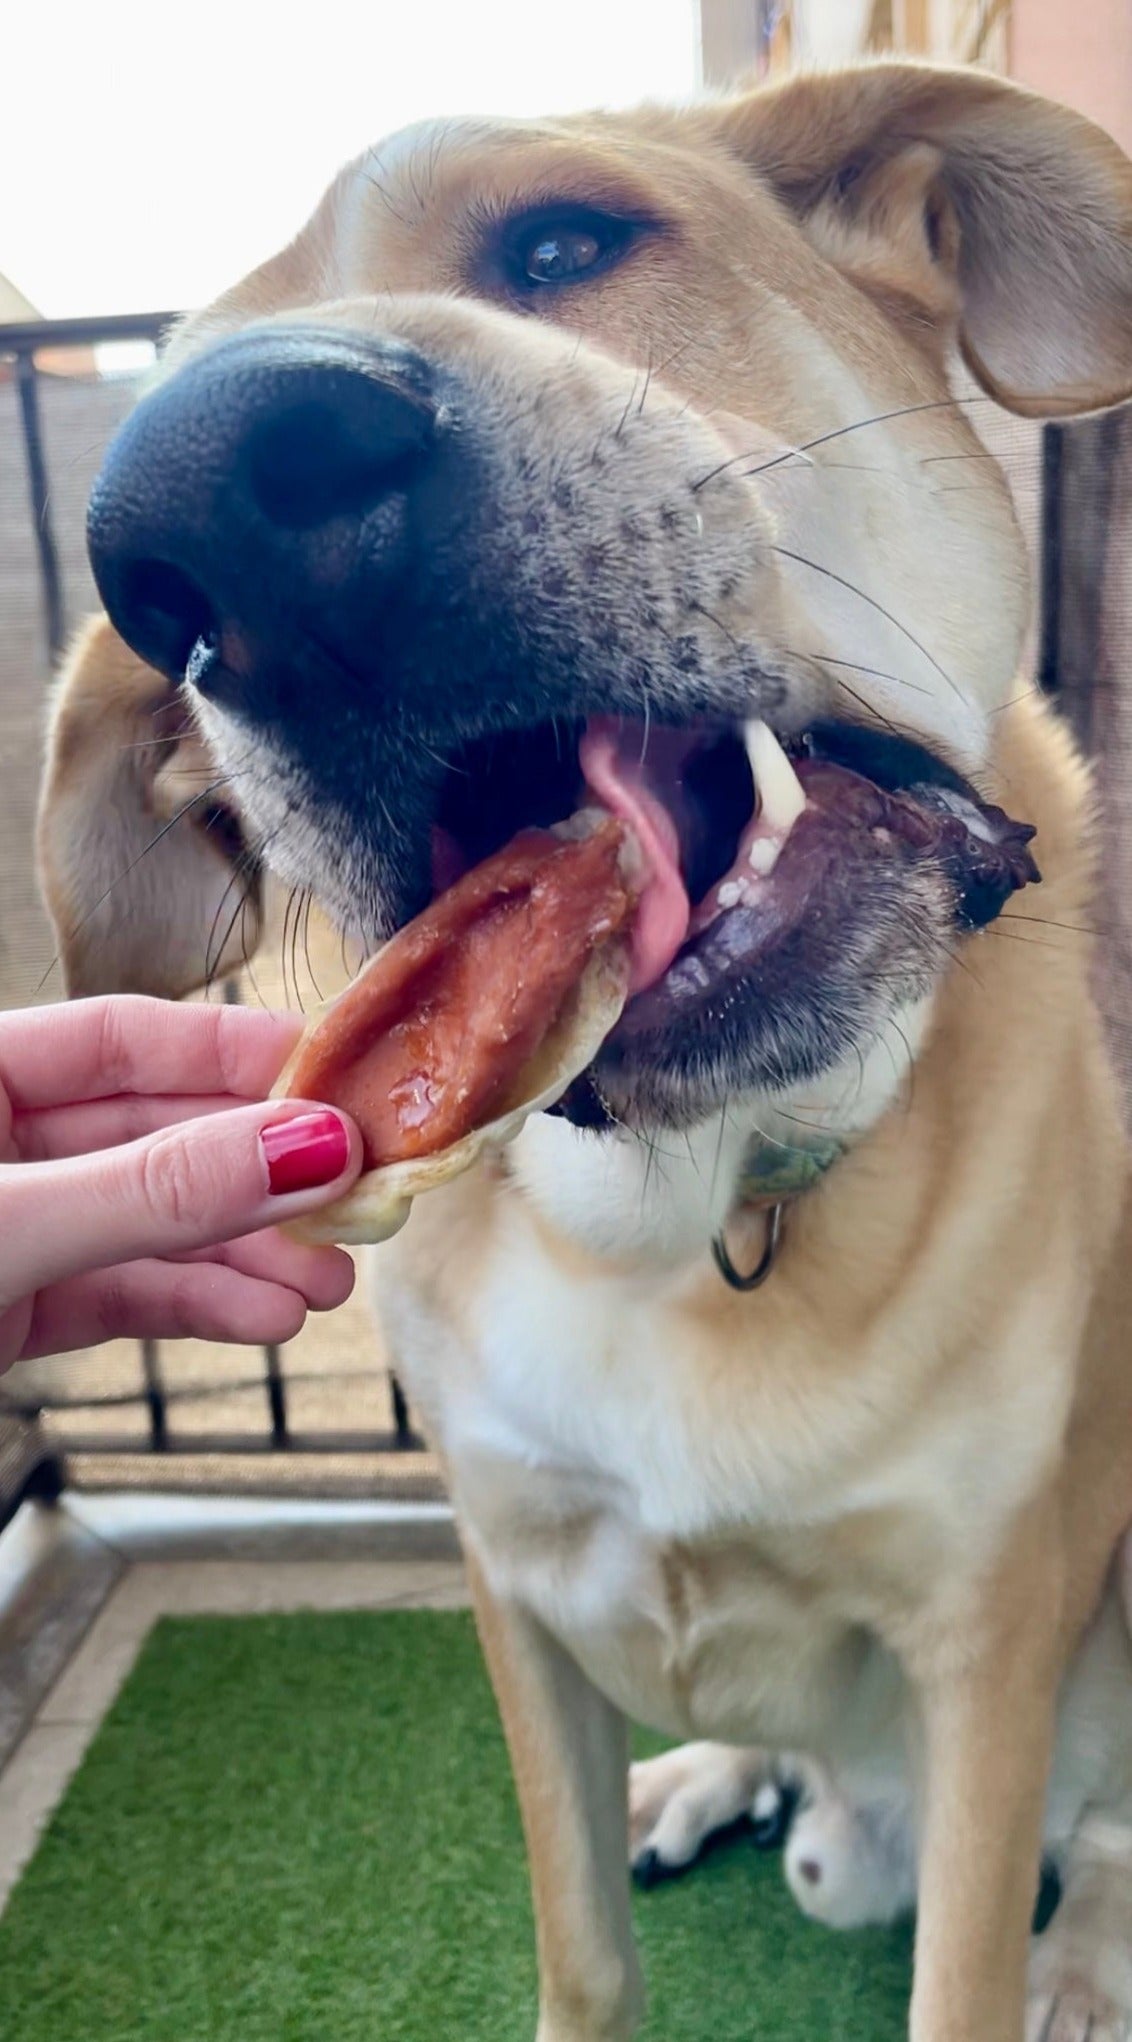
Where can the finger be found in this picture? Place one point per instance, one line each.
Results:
(54, 1131)
(162, 1301)
(323, 1276)
(92, 1049)
(186, 1187)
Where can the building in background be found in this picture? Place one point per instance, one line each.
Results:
(16, 310)
(13, 304)
(1079, 53)
(772, 35)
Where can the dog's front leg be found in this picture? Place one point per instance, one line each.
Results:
(987, 1740)
(569, 1753)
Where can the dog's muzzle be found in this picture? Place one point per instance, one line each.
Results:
(425, 606)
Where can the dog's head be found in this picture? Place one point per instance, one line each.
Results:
(549, 457)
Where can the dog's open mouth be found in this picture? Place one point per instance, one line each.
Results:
(648, 879)
(746, 838)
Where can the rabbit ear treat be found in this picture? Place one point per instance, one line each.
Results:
(477, 1014)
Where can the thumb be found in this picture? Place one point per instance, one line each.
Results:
(188, 1186)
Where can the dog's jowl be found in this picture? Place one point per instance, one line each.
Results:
(610, 463)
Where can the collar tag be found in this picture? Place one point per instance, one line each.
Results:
(773, 1171)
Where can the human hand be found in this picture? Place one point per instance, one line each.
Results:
(139, 1183)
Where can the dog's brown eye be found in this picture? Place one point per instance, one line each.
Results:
(561, 254)
(562, 247)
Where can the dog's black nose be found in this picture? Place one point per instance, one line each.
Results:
(254, 480)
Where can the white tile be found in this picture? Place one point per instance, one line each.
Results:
(235, 1588)
(31, 1784)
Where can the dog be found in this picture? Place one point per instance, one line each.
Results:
(647, 426)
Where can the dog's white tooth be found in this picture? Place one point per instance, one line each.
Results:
(763, 855)
(781, 794)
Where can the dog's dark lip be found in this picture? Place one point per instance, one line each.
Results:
(850, 825)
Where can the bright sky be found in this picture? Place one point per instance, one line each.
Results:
(152, 153)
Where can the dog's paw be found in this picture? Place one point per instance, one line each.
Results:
(846, 1867)
(1075, 2012)
(1080, 1985)
(679, 1800)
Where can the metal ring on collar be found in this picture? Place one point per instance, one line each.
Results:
(765, 1263)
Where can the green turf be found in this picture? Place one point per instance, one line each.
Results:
(301, 1829)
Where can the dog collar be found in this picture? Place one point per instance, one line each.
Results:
(772, 1174)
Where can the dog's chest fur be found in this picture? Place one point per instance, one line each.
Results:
(715, 1544)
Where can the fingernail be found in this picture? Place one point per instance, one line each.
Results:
(311, 1149)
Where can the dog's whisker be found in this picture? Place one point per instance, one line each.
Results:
(718, 1157)
(803, 560)
(374, 180)
(692, 1158)
(1046, 922)
(213, 959)
(648, 381)
(862, 425)
(974, 454)
(856, 666)
(286, 958)
(148, 744)
(838, 433)
(246, 952)
(702, 610)
(283, 946)
(623, 420)
(307, 948)
(186, 809)
(299, 898)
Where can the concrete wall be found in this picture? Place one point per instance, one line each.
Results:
(1081, 54)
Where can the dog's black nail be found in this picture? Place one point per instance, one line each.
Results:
(649, 1869)
(1049, 1897)
(770, 1825)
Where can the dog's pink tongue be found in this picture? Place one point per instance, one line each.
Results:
(611, 763)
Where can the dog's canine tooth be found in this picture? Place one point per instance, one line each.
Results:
(780, 792)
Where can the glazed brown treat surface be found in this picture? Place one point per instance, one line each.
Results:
(430, 1039)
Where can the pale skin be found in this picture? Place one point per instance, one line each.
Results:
(134, 1188)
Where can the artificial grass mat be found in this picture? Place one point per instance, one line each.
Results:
(302, 1829)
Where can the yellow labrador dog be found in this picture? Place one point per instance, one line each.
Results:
(613, 461)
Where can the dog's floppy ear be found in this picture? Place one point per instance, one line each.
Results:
(1003, 210)
(141, 860)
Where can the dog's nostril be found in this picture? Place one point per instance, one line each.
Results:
(168, 612)
(313, 462)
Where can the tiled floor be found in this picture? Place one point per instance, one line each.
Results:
(147, 1557)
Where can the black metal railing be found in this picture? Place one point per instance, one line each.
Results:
(22, 342)
(36, 1432)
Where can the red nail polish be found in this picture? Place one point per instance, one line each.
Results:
(311, 1149)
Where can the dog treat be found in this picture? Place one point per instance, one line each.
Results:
(478, 1013)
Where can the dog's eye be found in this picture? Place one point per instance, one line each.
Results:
(562, 247)
(560, 252)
